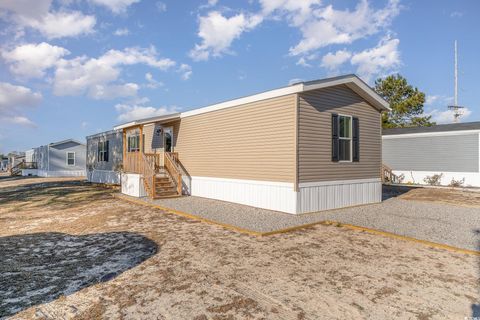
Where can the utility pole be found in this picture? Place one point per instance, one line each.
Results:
(456, 109)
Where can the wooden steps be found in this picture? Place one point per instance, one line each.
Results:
(165, 187)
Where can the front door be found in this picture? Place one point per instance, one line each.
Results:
(168, 139)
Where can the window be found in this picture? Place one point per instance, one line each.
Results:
(103, 151)
(134, 143)
(345, 138)
(70, 158)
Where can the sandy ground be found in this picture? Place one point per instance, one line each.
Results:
(16, 181)
(442, 195)
(201, 271)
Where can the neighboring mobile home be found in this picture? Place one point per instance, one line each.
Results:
(302, 148)
(104, 157)
(59, 159)
(3, 164)
(452, 150)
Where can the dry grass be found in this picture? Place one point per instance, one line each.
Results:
(202, 271)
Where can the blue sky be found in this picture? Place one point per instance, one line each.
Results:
(70, 68)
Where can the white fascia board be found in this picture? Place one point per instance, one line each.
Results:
(125, 125)
(164, 118)
(430, 134)
(249, 99)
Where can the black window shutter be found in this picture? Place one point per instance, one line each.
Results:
(356, 140)
(98, 151)
(106, 151)
(335, 144)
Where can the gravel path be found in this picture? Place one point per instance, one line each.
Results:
(442, 223)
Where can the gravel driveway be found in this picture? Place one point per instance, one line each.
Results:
(450, 224)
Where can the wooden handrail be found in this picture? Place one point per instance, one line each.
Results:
(172, 165)
(148, 172)
(388, 175)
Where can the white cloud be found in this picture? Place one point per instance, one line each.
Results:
(296, 12)
(431, 99)
(303, 62)
(26, 8)
(21, 120)
(332, 61)
(441, 100)
(218, 32)
(116, 6)
(31, 60)
(383, 58)
(456, 14)
(13, 101)
(110, 91)
(446, 115)
(161, 6)
(319, 25)
(325, 26)
(129, 112)
(94, 76)
(62, 24)
(122, 32)
(37, 15)
(152, 83)
(14, 97)
(186, 71)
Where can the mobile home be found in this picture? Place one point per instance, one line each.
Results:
(104, 157)
(449, 150)
(302, 148)
(59, 159)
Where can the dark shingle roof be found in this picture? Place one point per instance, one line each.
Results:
(437, 128)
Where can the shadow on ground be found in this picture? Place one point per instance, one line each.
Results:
(41, 267)
(11, 178)
(389, 191)
(60, 194)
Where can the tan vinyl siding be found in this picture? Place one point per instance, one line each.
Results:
(314, 136)
(255, 141)
(148, 133)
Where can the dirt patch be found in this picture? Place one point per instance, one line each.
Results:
(202, 271)
(443, 195)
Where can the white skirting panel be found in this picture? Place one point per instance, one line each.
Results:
(103, 176)
(29, 172)
(277, 196)
(471, 178)
(318, 196)
(63, 173)
(132, 185)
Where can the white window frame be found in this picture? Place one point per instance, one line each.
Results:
(340, 138)
(105, 150)
(74, 158)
